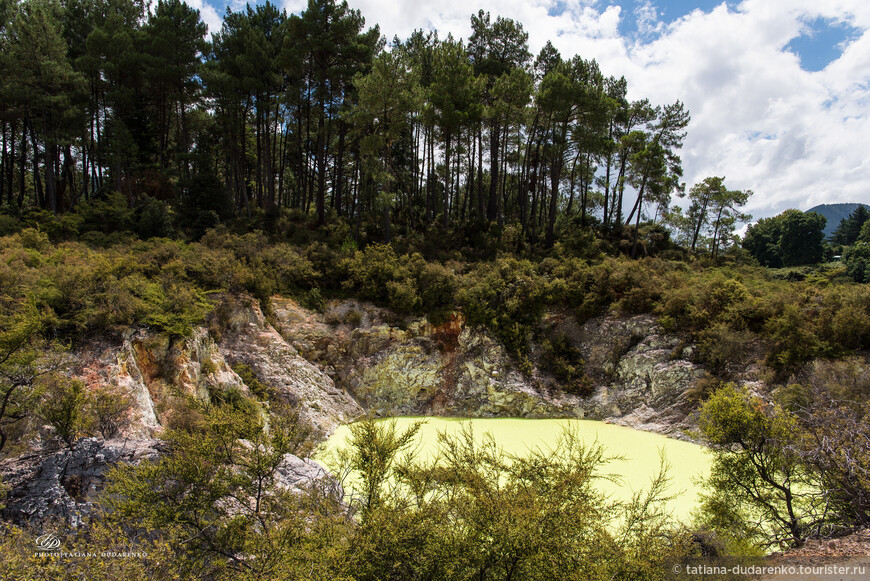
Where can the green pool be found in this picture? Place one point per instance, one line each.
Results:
(641, 450)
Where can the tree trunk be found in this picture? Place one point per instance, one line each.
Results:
(339, 169)
(66, 179)
(699, 225)
(4, 163)
(259, 132)
(555, 175)
(22, 173)
(502, 200)
(639, 207)
(481, 206)
(469, 190)
(716, 233)
(430, 205)
(447, 184)
(492, 206)
(637, 203)
(320, 170)
(40, 198)
(620, 185)
(268, 168)
(571, 182)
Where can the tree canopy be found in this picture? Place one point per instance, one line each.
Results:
(317, 113)
(789, 239)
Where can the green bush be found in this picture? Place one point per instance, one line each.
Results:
(402, 296)
(857, 262)
(106, 215)
(567, 365)
(506, 297)
(262, 391)
(757, 479)
(721, 346)
(792, 340)
(232, 398)
(63, 407)
(369, 271)
(34, 239)
(109, 409)
(438, 286)
(153, 219)
(8, 224)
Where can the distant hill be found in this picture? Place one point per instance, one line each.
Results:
(835, 214)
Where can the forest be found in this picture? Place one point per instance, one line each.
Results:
(317, 113)
(153, 171)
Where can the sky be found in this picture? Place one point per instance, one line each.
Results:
(778, 90)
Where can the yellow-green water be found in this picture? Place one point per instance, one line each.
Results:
(640, 450)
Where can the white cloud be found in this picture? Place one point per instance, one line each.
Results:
(796, 138)
(208, 14)
(648, 23)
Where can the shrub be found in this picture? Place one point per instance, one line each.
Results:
(402, 296)
(8, 225)
(793, 340)
(507, 297)
(34, 239)
(63, 406)
(567, 365)
(205, 202)
(110, 409)
(109, 214)
(721, 346)
(153, 218)
(369, 271)
(313, 300)
(474, 512)
(703, 388)
(262, 391)
(231, 397)
(438, 287)
(756, 474)
(218, 487)
(857, 262)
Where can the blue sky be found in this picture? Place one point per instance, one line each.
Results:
(779, 90)
(666, 11)
(822, 42)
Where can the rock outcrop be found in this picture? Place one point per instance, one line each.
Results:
(154, 372)
(397, 366)
(157, 372)
(64, 484)
(415, 368)
(295, 473)
(355, 358)
(641, 373)
(246, 337)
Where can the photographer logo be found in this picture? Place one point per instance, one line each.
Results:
(47, 542)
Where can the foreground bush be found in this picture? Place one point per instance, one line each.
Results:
(473, 513)
(794, 469)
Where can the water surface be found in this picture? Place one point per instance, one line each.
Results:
(641, 450)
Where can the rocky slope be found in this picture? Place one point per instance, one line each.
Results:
(410, 367)
(336, 365)
(63, 484)
(246, 337)
(355, 358)
(157, 372)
